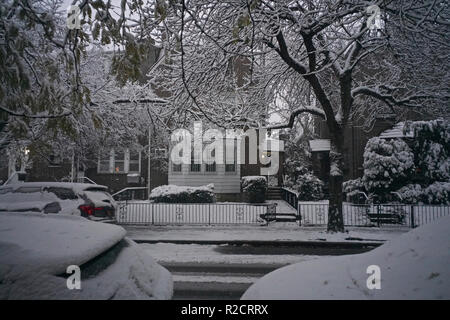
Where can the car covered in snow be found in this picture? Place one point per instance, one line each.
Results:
(91, 201)
(415, 265)
(45, 256)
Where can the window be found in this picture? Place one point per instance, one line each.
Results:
(176, 167)
(104, 162)
(54, 160)
(210, 167)
(230, 167)
(230, 157)
(134, 163)
(62, 193)
(119, 161)
(28, 189)
(195, 167)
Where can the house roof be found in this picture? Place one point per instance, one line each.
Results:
(398, 131)
(320, 145)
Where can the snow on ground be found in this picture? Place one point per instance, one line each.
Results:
(273, 232)
(413, 266)
(199, 253)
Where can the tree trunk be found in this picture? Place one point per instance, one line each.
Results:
(335, 215)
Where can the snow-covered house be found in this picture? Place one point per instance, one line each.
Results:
(226, 173)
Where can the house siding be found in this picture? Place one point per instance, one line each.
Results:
(224, 182)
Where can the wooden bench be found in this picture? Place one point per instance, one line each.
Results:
(387, 218)
(280, 217)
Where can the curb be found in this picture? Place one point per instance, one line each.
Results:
(275, 243)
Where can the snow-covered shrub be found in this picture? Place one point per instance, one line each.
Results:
(411, 193)
(417, 168)
(254, 188)
(308, 187)
(388, 165)
(353, 190)
(183, 194)
(431, 145)
(436, 193)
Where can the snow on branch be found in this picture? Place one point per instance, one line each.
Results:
(312, 110)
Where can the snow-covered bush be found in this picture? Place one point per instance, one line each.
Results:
(353, 190)
(183, 194)
(436, 193)
(418, 169)
(431, 145)
(388, 165)
(308, 187)
(254, 188)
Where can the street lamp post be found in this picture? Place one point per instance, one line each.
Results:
(149, 159)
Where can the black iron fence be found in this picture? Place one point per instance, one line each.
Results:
(149, 213)
(290, 197)
(369, 215)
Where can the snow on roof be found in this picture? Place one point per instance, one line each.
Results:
(412, 266)
(320, 145)
(397, 132)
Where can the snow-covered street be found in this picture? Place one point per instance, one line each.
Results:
(224, 271)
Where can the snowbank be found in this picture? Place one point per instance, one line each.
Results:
(413, 266)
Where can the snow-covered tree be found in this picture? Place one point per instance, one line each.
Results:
(431, 147)
(415, 169)
(388, 165)
(325, 46)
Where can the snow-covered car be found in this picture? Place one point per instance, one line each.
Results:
(414, 265)
(91, 201)
(37, 249)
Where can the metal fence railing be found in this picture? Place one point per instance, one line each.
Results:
(290, 197)
(408, 215)
(148, 213)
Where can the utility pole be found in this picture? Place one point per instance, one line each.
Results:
(149, 159)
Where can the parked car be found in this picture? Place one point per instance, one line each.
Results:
(91, 201)
(40, 251)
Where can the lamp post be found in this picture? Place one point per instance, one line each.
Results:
(149, 160)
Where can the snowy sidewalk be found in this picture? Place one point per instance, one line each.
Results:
(276, 232)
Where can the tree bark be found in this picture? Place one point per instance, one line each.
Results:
(335, 214)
